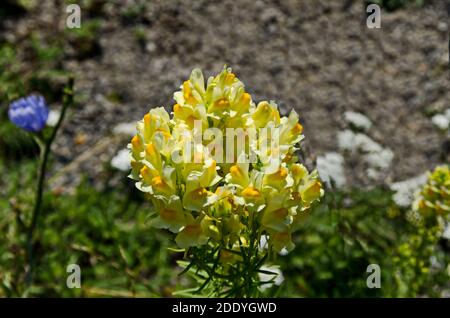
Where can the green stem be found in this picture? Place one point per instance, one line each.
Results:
(251, 260)
(36, 211)
(44, 155)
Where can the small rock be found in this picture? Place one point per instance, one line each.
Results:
(128, 129)
(150, 47)
(358, 120)
(80, 139)
(440, 121)
(442, 26)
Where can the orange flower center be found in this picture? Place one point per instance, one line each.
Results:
(251, 193)
(222, 103)
(193, 229)
(168, 214)
(199, 193)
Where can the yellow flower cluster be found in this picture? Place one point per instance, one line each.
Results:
(206, 199)
(429, 214)
(433, 201)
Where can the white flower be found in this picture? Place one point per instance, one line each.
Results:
(331, 169)
(53, 117)
(358, 120)
(125, 129)
(276, 278)
(440, 121)
(404, 190)
(121, 160)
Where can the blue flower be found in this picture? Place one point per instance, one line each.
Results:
(29, 113)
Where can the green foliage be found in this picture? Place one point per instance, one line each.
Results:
(343, 235)
(10, 85)
(433, 202)
(223, 272)
(429, 215)
(44, 75)
(336, 243)
(45, 53)
(14, 142)
(414, 275)
(133, 13)
(139, 34)
(105, 233)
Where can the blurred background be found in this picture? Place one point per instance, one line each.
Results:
(374, 104)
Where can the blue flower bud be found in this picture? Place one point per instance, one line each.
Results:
(29, 113)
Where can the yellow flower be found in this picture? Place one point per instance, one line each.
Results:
(277, 215)
(298, 172)
(136, 147)
(310, 191)
(189, 114)
(207, 201)
(148, 174)
(291, 131)
(157, 183)
(136, 167)
(432, 203)
(279, 179)
(170, 214)
(281, 240)
(227, 102)
(265, 113)
(251, 193)
(193, 233)
(196, 194)
(156, 120)
(238, 175)
(195, 199)
(153, 156)
(161, 186)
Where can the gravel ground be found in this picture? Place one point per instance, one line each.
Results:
(317, 57)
